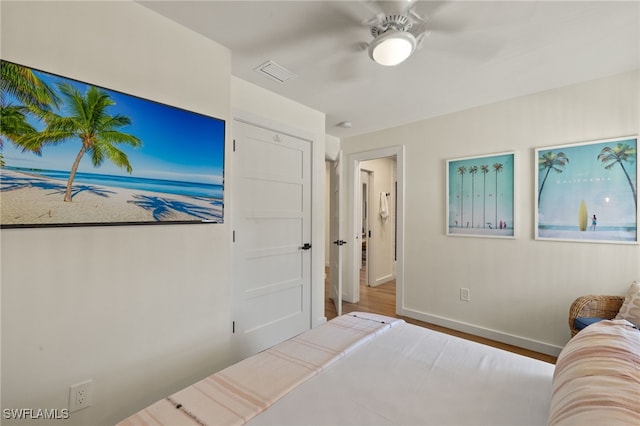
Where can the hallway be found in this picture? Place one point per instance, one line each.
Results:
(380, 300)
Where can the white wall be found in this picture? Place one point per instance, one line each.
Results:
(520, 289)
(141, 310)
(258, 105)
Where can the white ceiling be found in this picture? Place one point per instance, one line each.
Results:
(478, 52)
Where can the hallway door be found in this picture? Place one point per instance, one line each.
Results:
(336, 242)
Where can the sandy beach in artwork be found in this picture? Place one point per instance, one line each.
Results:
(481, 232)
(598, 235)
(36, 200)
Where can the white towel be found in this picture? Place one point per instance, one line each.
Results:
(384, 207)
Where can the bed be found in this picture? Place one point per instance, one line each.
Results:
(366, 369)
(597, 377)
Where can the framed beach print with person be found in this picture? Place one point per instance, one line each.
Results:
(587, 191)
(480, 196)
(76, 154)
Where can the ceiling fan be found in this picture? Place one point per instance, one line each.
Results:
(398, 30)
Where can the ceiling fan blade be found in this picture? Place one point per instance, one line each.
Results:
(477, 48)
(377, 8)
(420, 38)
(363, 13)
(415, 16)
(327, 22)
(446, 27)
(474, 16)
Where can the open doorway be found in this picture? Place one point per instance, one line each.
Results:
(348, 270)
(379, 225)
(381, 172)
(376, 240)
(366, 183)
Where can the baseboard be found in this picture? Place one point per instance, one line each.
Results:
(319, 321)
(509, 339)
(349, 299)
(383, 280)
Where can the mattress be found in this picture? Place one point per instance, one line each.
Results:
(410, 375)
(364, 369)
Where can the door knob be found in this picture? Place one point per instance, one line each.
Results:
(306, 246)
(340, 242)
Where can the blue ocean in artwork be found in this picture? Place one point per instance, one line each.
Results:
(191, 189)
(629, 228)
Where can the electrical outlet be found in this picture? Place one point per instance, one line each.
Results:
(80, 396)
(465, 294)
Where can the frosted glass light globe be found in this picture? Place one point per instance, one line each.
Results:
(392, 47)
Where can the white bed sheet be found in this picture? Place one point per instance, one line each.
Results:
(410, 375)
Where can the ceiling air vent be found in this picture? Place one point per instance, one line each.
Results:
(275, 72)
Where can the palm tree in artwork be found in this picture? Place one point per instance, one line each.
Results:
(472, 171)
(462, 170)
(620, 154)
(551, 161)
(89, 121)
(32, 95)
(497, 167)
(484, 169)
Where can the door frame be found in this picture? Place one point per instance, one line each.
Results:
(354, 188)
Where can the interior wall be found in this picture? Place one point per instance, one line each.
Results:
(141, 310)
(521, 289)
(153, 315)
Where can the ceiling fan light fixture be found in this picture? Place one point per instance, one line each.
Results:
(392, 47)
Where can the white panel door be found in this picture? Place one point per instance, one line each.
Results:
(272, 229)
(335, 253)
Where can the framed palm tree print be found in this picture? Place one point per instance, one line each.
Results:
(588, 191)
(75, 154)
(480, 196)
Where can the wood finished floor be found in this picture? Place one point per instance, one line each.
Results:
(382, 300)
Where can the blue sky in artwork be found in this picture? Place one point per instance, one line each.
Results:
(176, 144)
(483, 208)
(607, 193)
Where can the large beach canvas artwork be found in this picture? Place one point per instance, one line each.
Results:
(480, 196)
(75, 154)
(587, 192)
